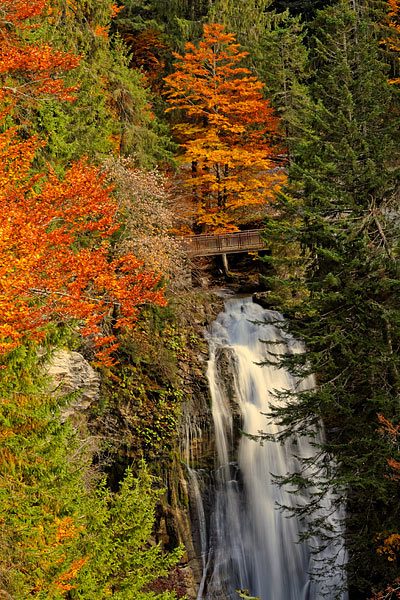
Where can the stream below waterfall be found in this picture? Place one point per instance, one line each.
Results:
(246, 542)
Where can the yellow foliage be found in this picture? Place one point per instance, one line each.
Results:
(390, 547)
(230, 135)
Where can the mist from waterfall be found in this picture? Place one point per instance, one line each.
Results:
(249, 544)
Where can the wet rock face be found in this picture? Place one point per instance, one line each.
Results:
(263, 299)
(70, 373)
(226, 366)
(226, 369)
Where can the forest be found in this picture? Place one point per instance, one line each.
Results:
(126, 128)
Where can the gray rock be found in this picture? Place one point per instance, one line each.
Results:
(70, 373)
(225, 363)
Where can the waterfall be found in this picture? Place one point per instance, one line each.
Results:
(250, 544)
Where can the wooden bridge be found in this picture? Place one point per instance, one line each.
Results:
(228, 243)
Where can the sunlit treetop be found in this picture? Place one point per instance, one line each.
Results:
(229, 132)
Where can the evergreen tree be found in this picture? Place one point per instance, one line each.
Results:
(277, 53)
(248, 20)
(340, 217)
(306, 8)
(112, 111)
(63, 533)
(178, 20)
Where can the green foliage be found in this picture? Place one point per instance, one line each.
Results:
(122, 563)
(62, 531)
(245, 595)
(143, 412)
(305, 8)
(339, 214)
(177, 20)
(143, 394)
(136, 16)
(112, 111)
(284, 68)
(277, 53)
(248, 20)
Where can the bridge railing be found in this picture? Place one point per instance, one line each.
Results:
(241, 241)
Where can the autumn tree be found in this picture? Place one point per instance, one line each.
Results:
(229, 135)
(63, 532)
(112, 110)
(56, 257)
(147, 211)
(28, 69)
(56, 251)
(277, 51)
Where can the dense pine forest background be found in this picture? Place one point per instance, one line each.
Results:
(123, 127)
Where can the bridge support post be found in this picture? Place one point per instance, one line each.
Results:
(225, 264)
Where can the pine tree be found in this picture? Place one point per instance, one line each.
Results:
(178, 21)
(112, 110)
(63, 533)
(340, 216)
(306, 8)
(248, 21)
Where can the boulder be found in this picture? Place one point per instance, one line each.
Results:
(70, 372)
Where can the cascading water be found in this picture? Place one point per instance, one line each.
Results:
(251, 545)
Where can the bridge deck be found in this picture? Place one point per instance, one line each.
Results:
(229, 243)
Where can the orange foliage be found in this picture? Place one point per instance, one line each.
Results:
(148, 52)
(231, 133)
(28, 70)
(56, 256)
(101, 31)
(393, 41)
(56, 259)
(66, 530)
(393, 431)
(388, 427)
(115, 9)
(17, 11)
(64, 582)
(390, 542)
(390, 547)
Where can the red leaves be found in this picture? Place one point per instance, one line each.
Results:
(56, 256)
(18, 11)
(65, 581)
(393, 432)
(28, 70)
(388, 427)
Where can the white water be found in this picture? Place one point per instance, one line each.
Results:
(252, 545)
